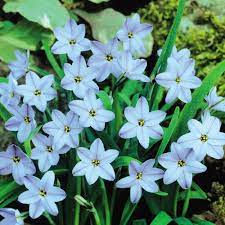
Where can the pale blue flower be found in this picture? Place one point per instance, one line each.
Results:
(8, 95)
(142, 123)
(37, 91)
(141, 176)
(214, 101)
(22, 121)
(64, 128)
(132, 34)
(95, 162)
(178, 79)
(79, 78)
(11, 217)
(42, 195)
(14, 161)
(70, 40)
(132, 68)
(46, 152)
(19, 67)
(205, 137)
(91, 112)
(180, 165)
(104, 60)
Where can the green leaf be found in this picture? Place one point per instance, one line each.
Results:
(49, 14)
(161, 193)
(122, 161)
(190, 109)
(183, 221)
(193, 195)
(4, 114)
(127, 212)
(3, 80)
(8, 188)
(98, 1)
(162, 218)
(201, 222)
(140, 222)
(27, 144)
(105, 99)
(168, 133)
(23, 35)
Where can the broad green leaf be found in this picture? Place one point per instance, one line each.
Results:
(183, 221)
(105, 99)
(168, 133)
(190, 109)
(201, 222)
(4, 114)
(27, 144)
(48, 13)
(124, 98)
(127, 212)
(122, 161)
(140, 222)
(8, 188)
(23, 35)
(162, 218)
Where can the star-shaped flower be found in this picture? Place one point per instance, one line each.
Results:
(79, 78)
(14, 161)
(104, 61)
(46, 152)
(132, 34)
(142, 123)
(42, 195)
(22, 121)
(70, 40)
(214, 101)
(141, 176)
(64, 129)
(37, 91)
(205, 138)
(179, 78)
(180, 164)
(8, 95)
(132, 68)
(91, 112)
(19, 67)
(95, 162)
(11, 217)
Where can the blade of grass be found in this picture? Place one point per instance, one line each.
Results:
(127, 212)
(4, 114)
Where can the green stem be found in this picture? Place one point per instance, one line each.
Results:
(96, 216)
(186, 202)
(176, 201)
(113, 198)
(106, 203)
(77, 205)
(52, 60)
(49, 218)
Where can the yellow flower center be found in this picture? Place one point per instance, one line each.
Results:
(141, 122)
(178, 80)
(42, 193)
(109, 58)
(95, 162)
(72, 42)
(27, 119)
(49, 149)
(139, 176)
(204, 138)
(130, 35)
(37, 93)
(77, 79)
(12, 94)
(16, 159)
(181, 163)
(92, 113)
(67, 129)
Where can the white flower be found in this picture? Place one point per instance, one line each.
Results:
(214, 101)
(179, 78)
(205, 138)
(141, 176)
(95, 162)
(142, 123)
(92, 112)
(11, 217)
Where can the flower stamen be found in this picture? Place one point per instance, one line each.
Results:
(95, 162)
(42, 193)
(37, 93)
(178, 80)
(181, 163)
(204, 138)
(77, 79)
(16, 159)
(92, 113)
(72, 42)
(49, 149)
(130, 35)
(109, 58)
(141, 122)
(139, 176)
(67, 129)
(27, 119)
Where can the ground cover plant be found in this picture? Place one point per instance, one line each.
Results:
(104, 136)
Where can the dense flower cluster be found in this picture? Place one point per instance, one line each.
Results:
(89, 111)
